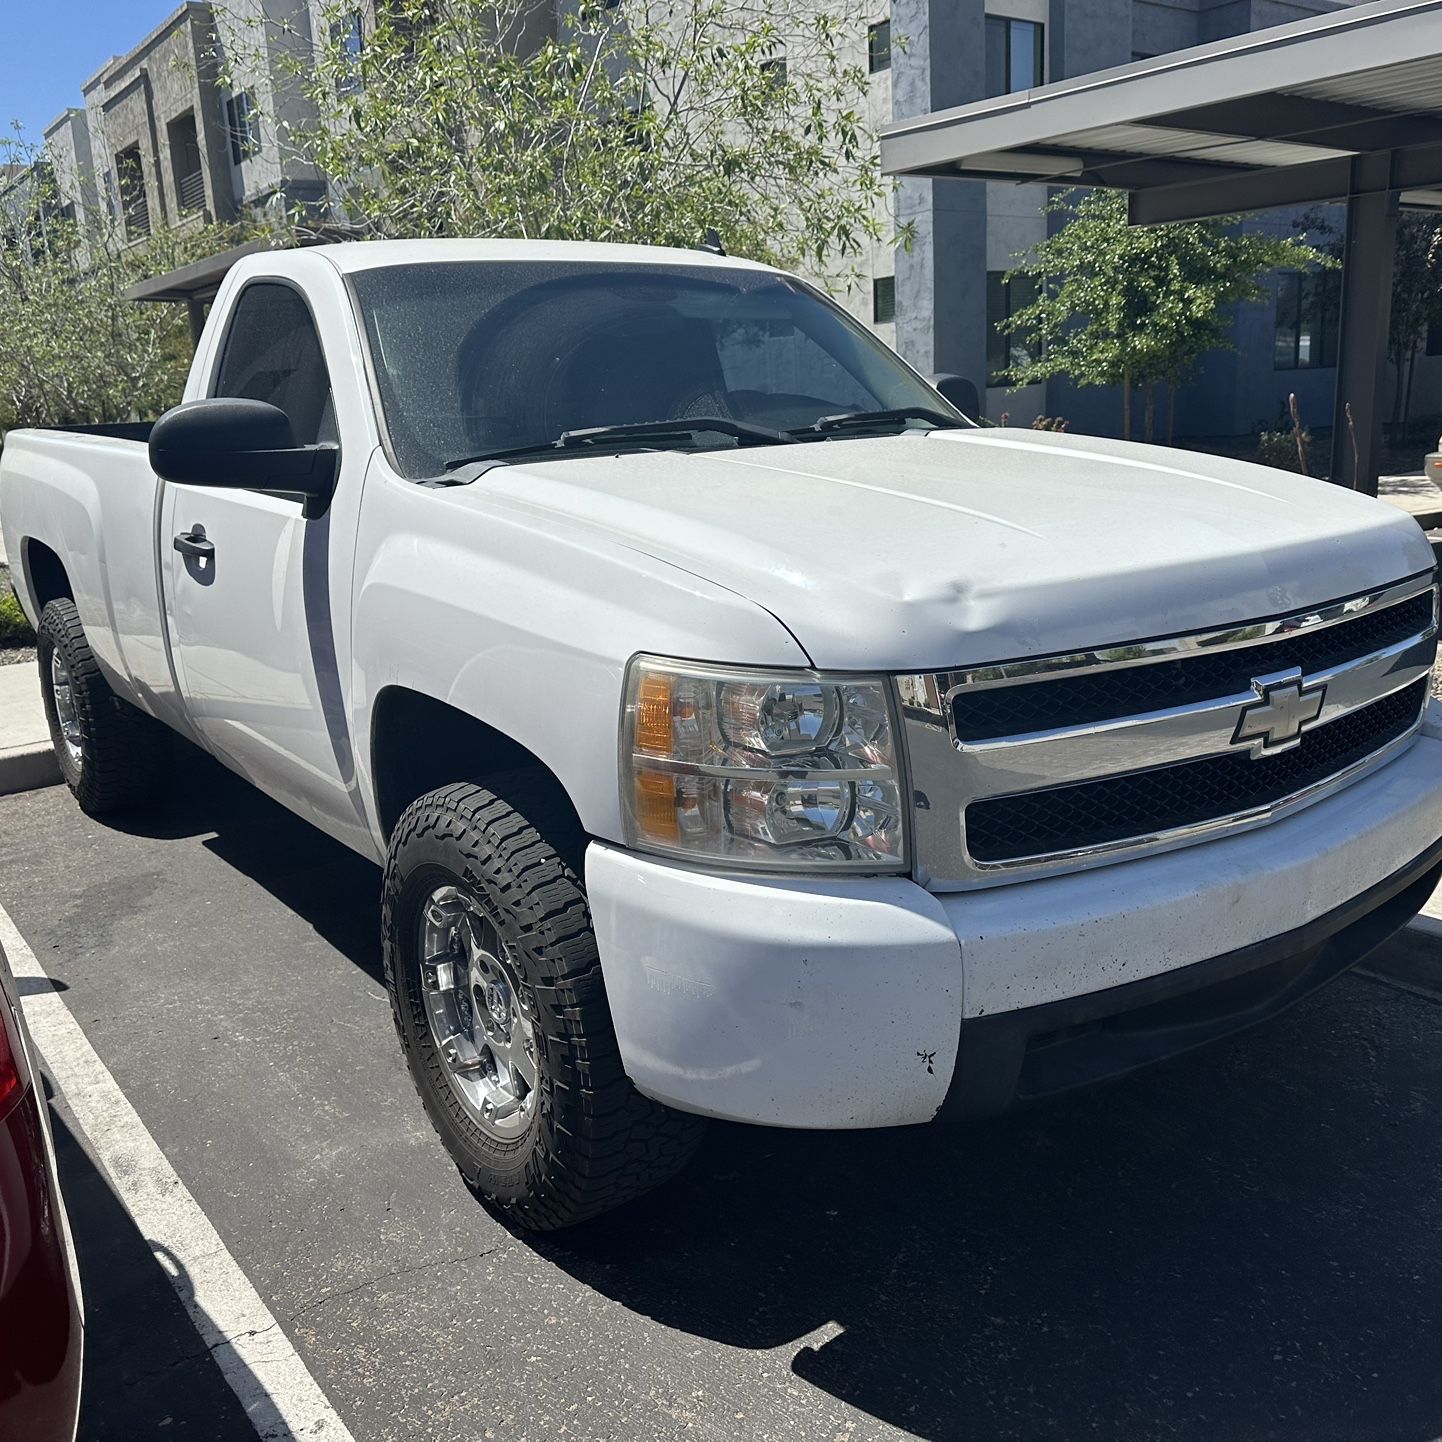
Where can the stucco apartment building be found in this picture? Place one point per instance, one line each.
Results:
(181, 126)
(940, 301)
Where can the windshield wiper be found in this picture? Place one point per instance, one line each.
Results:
(860, 420)
(599, 438)
(693, 425)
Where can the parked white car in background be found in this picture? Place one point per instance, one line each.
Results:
(743, 732)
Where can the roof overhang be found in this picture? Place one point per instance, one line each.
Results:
(194, 283)
(1276, 117)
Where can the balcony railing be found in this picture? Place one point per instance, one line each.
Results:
(137, 216)
(190, 191)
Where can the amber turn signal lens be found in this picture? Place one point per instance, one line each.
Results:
(655, 806)
(653, 714)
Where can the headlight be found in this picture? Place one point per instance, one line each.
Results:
(787, 770)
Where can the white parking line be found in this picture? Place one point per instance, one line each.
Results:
(281, 1398)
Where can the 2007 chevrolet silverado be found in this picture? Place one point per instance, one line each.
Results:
(743, 731)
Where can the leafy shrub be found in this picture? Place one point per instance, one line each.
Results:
(14, 628)
(1279, 448)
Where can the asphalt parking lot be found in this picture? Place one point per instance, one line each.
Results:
(1240, 1244)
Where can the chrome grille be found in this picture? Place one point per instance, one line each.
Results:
(1096, 813)
(980, 714)
(1061, 762)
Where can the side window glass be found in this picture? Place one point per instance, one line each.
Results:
(272, 353)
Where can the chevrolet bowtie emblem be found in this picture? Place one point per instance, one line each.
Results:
(1284, 708)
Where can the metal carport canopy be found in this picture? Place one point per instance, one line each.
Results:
(1345, 106)
(195, 284)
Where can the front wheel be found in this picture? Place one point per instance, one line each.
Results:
(496, 988)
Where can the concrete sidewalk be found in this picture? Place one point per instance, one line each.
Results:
(1414, 494)
(26, 758)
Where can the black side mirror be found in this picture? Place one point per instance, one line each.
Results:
(242, 445)
(960, 392)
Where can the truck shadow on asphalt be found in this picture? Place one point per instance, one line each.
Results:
(1242, 1243)
(323, 882)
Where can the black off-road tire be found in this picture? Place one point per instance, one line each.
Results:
(593, 1141)
(123, 752)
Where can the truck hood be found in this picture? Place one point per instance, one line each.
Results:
(952, 548)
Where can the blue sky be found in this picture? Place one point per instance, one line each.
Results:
(51, 46)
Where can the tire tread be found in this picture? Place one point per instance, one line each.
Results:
(601, 1143)
(124, 751)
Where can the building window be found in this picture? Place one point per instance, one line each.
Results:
(185, 165)
(130, 183)
(878, 46)
(1006, 351)
(775, 71)
(347, 35)
(1014, 55)
(1307, 320)
(883, 299)
(244, 127)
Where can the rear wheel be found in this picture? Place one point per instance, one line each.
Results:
(496, 988)
(111, 756)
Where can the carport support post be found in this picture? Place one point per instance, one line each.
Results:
(1365, 316)
(196, 309)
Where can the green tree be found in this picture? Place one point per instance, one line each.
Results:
(640, 120)
(73, 350)
(1416, 303)
(1137, 307)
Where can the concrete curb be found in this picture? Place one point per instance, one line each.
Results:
(24, 768)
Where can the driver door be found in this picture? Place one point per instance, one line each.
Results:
(247, 582)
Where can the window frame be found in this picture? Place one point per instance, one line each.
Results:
(1009, 339)
(133, 191)
(1310, 286)
(177, 175)
(217, 364)
(776, 70)
(242, 129)
(381, 412)
(877, 282)
(348, 36)
(1007, 24)
(878, 59)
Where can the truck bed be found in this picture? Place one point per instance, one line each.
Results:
(114, 430)
(87, 494)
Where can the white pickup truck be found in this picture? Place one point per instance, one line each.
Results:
(744, 732)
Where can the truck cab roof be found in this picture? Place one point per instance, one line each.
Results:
(356, 255)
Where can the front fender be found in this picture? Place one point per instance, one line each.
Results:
(526, 621)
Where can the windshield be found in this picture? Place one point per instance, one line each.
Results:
(474, 357)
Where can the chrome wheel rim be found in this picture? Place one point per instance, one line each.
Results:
(63, 691)
(480, 1021)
